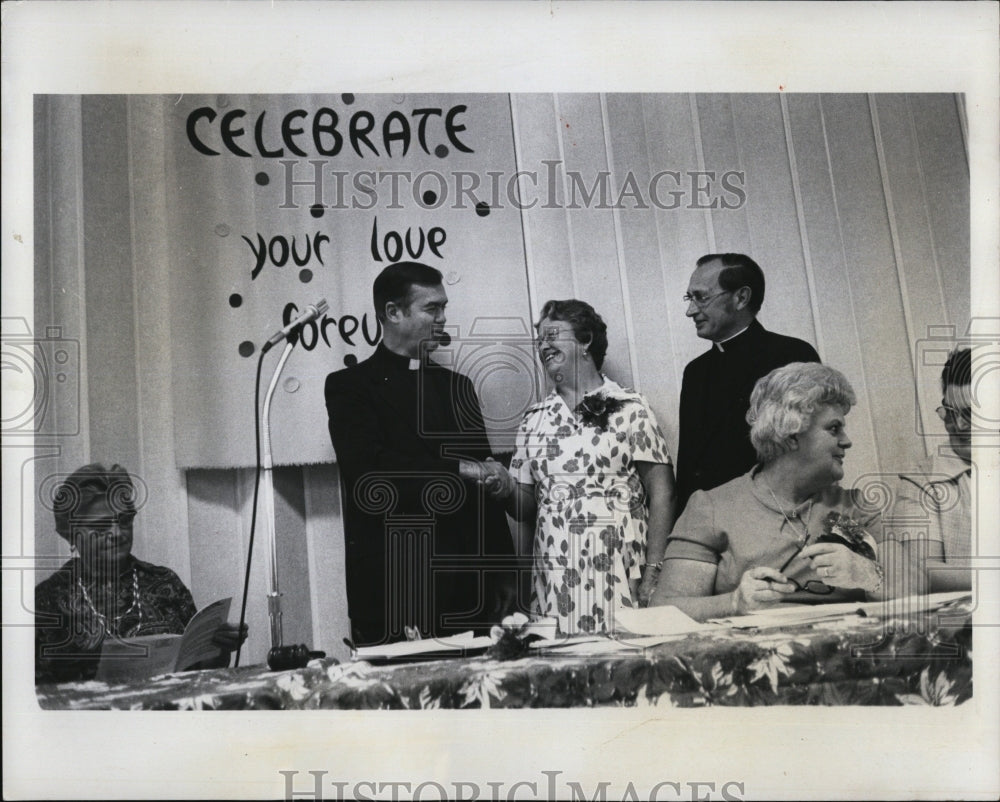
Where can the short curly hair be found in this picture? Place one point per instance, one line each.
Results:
(88, 484)
(784, 402)
(588, 327)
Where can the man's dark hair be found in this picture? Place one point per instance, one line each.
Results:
(739, 270)
(588, 327)
(88, 484)
(394, 284)
(957, 368)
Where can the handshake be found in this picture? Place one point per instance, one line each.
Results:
(489, 474)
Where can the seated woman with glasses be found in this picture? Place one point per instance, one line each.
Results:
(785, 531)
(932, 514)
(104, 591)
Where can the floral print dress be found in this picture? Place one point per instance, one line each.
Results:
(590, 533)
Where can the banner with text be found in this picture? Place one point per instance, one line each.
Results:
(275, 202)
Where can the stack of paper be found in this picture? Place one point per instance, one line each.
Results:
(665, 620)
(424, 649)
(791, 614)
(635, 629)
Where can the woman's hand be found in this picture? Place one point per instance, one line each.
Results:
(228, 636)
(760, 587)
(837, 565)
(650, 579)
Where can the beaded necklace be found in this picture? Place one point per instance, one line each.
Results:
(136, 605)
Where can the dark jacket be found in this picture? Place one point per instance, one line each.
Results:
(418, 537)
(714, 442)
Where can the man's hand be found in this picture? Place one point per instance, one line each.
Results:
(496, 479)
(470, 470)
(490, 474)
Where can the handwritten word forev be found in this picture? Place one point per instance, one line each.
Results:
(347, 326)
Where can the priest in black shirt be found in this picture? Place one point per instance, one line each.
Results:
(421, 531)
(724, 295)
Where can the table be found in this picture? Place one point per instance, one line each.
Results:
(845, 661)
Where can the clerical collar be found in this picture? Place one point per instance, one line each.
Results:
(400, 360)
(945, 462)
(730, 339)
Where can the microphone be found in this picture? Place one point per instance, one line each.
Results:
(309, 314)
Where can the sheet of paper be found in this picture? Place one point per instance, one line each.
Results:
(568, 644)
(603, 645)
(544, 626)
(666, 620)
(787, 614)
(457, 644)
(137, 658)
(579, 646)
(197, 643)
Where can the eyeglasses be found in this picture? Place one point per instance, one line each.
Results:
(813, 585)
(952, 415)
(100, 526)
(553, 334)
(700, 299)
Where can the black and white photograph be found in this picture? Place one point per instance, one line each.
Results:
(477, 401)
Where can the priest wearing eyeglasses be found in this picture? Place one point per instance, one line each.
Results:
(932, 514)
(724, 296)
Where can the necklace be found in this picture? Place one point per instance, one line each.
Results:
(136, 605)
(804, 535)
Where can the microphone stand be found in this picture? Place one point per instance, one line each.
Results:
(279, 657)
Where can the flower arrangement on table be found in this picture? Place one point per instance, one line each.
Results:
(515, 633)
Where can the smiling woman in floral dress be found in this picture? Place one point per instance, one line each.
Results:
(592, 469)
(785, 531)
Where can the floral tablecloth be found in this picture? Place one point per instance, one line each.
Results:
(846, 661)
